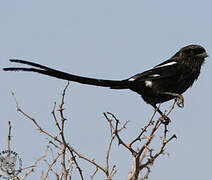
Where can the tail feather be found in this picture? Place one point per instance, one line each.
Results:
(113, 84)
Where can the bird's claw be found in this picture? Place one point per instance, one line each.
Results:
(178, 98)
(165, 119)
(180, 101)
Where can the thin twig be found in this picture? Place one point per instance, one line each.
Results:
(144, 129)
(108, 152)
(94, 173)
(53, 113)
(63, 138)
(9, 137)
(34, 121)
(35, 163)
(116, 131)
(51, 165)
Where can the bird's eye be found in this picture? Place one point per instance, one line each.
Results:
(193, 51)
(199, 51)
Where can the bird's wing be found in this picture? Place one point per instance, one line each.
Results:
(166, 69)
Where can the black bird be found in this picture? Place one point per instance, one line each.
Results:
(163, 82)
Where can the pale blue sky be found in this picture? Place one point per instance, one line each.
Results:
(111, 39)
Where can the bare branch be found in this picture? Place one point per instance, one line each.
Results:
(34, 121)
(56, 121)
(50, 166)
(144, 129)
(116, 131)
(94, 173)
(63, 138)
(9, 137)
(35, 164)
(143, 157)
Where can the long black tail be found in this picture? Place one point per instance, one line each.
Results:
(124, 84)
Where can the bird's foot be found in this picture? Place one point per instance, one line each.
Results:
(165, 119)
(178, 98)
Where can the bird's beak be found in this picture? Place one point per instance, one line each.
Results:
(203, 55)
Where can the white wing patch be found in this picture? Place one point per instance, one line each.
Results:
(148, 83)
(155, 75)
(167, 64)
(131, 79)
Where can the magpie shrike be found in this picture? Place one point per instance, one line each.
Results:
(163, 82)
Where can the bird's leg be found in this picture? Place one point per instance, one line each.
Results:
(165, 119)
(179, 98)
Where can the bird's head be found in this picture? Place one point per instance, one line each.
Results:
(191, 53)
(194, 51)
